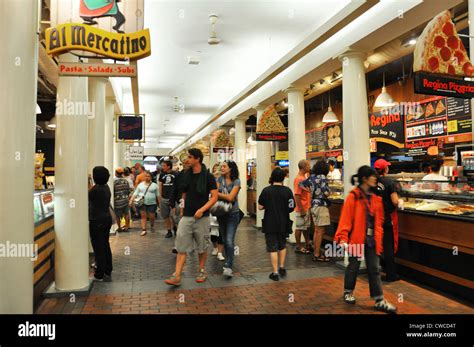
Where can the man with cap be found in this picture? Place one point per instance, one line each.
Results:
(388, 190)
(121, 197)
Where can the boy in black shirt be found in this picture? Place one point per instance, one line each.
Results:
(278, 202)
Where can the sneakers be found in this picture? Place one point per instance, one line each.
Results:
(174, 250)
(201, 277)
(349, 298)
(173, 281)
(143, 233)
(228, 272)
(97, 279)
(169, 234)
(215, 251)
(220, 257)
(282, 271)
(274, 276)
(175, 230)
(385, 306)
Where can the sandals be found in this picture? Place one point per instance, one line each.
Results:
(321, 259)
(301, 250)
(173, 281)
(201, 277)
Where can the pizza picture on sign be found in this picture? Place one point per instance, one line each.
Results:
(440, 107)
(221, 139)
(270, 122)
(440, 50)
(429, 110)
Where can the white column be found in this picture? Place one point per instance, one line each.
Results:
(356, 120)
(296, 130)
(97, 122)
(71, 200)
(471, 53)
(296, 138)
(240, 159)
(264, 152)
(109, 140)
(19, 62)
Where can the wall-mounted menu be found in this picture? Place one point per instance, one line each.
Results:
(328, 137)
(459, 116)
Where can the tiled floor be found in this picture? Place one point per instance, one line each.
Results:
(141, 264)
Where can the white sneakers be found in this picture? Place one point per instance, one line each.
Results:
(227, 272)
(215, 251)
(220, 257)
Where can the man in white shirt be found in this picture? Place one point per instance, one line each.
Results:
(334, 174)
(436, 165)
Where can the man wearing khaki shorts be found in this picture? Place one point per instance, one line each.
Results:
(197, 184)
(318, 185)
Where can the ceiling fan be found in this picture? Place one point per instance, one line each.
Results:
(213, 39)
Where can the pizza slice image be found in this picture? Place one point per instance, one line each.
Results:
(419, 112)
(270, 122)
(439, 49)
(440, 107)
(429, 110)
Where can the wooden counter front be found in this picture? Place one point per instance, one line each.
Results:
(252, 202)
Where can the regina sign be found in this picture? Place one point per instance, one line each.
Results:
(75, 36)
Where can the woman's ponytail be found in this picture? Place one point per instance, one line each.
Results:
(354, 179)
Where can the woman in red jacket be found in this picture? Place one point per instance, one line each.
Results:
(360, 231)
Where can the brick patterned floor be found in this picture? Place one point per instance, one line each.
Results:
(311, 288)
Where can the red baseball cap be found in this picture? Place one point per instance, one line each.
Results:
(381, 164)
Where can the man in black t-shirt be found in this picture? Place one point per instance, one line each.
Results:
(167, 182)
(197, 183)
(388, 190)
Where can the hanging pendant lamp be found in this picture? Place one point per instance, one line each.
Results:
(384, 99)
(330, 116)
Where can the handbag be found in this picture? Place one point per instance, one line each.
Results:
(221, 208)
(139, 201)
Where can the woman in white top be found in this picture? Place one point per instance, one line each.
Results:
(149, 190)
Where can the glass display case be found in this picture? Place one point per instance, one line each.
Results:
(336, 188)
(43, 203)
(442, 198)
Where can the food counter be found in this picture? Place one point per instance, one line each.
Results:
(43, 201)
(436, 234)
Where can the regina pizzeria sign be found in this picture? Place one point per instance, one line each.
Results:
(70, 37)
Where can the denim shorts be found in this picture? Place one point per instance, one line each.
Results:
(148, 208)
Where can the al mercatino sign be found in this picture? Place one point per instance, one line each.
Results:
(69, 37)
(75, 36)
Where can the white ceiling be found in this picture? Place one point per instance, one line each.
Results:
(255, 34)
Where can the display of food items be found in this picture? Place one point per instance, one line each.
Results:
(336, 196)
(450, 210)
(440, 50)
(270, 122)
(433, 206)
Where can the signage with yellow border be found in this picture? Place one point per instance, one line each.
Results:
(75, 36)
(281, 155)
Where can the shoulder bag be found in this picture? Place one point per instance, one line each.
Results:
(139, 201)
